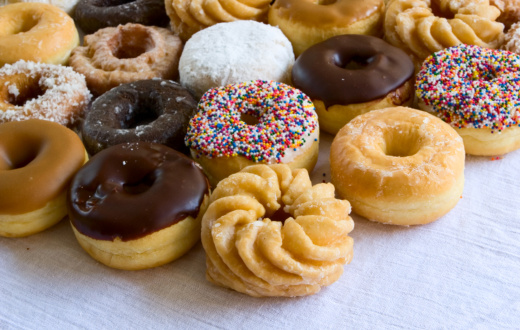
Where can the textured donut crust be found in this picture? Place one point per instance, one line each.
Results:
(333, 118)
(398, 166)
(509, 11)
(512, 39)
(65, 94)
(65, 5)
(49, 34)
(97, 58)
(190, 16)
(213, 58)
(156, 249)
(412, 25)
(249, 253)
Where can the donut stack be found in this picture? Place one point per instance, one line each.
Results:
(184, 119)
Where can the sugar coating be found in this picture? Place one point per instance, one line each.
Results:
(287, 122)
(472, 87)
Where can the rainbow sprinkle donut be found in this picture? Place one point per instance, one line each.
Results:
(475, 90)
(253, 122)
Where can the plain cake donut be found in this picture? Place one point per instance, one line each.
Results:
(398, 166)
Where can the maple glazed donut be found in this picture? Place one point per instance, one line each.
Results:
(42, 91)
(398, 166)
(308, 22)
(254, 122)
(131, 52)
(38, 159)
(152, 110)
(36, 32)
(269, 232)
(93, 15)
(475, 90)
(349, 75)
(137, 205)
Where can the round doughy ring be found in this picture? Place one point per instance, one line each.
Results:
(147, 110)
(348, 75)
(255, 122)
(269, 232)
(42, 91)
(65, 5)
(308, 22)
(398, 166)
(36, 32)
(476, 90)
(131, 52)
(37, 161)
(137, 205)
(93, 15)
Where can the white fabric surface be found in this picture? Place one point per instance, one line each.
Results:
(462, 271)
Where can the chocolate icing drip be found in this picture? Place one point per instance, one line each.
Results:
(134, 189)
(351, 69)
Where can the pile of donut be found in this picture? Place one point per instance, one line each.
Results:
(180, 120)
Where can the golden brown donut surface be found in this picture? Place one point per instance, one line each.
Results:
(37, 161)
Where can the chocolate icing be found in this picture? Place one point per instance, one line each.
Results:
(350, 69)
(134, 189)
(152, 110)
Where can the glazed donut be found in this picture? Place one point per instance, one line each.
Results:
(421, 27)
(509, 11)
(65, 5)
(114, 56)
(38, 159)
(348, 75)
(190, 16)
(254, 122)
(213, 58)
(42, 91)
(476, 90)
(308, 22)
(269, 232)
(398, 166)
(36, 32)
(146, 110)
(137, 205)
(93, 15)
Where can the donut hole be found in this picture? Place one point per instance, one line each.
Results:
(358, 63)
(401, 142)
(249, 119)
(325, 2)
(280, 215)
(130, 42)
(21, 93)
(23, 156)
(441, 12)
(25, 25)
(140, 186)
(140, 118)
(139, 111)
(483, 75)
(110, 3)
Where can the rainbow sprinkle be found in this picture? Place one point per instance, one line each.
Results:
(471, 86)
(286, 117)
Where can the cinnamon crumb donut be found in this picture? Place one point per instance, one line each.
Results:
(269, 232)
(131, 52)
(42, 91)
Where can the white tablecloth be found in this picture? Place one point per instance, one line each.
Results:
(462, 271)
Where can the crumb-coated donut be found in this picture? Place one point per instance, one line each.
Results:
(137, 205)
(65, 5)
(269, 232)
(509, 11)
(348, 75)
(92, 15)
(512, 39)
(152, 110)
(118, 55)
(398, 166)
(36, 32)
(476, 90)
(308, 22)
(43, 91)
(38, 159)
(255, 122)
(230, 53)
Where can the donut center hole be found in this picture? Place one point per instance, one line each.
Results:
(140, 186)
(140, 118)
(23, 156)
(441, 12)
(483, 75)
(20, 94)
(280, 215)
(111, 3)
(358, 63)
(325, 2)
(401, 142)
(130, 42)
(249, 119)
(25, 25)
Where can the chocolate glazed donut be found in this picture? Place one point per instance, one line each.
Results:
(92, 15)
(152, 110)
(351, 69)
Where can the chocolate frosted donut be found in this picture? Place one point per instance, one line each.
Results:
(357, 71)
(152, 110)
(137, 205)
(92, 15)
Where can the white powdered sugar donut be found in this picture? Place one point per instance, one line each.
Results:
(235, 52)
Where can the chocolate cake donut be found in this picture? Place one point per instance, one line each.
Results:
(152, 110)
